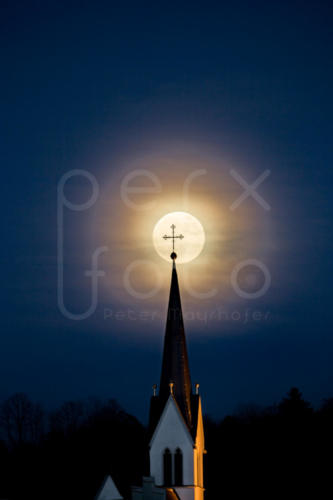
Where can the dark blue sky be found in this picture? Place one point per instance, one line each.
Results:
(87, 84)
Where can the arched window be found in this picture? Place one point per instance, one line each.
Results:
(178, 467)
(167, 467)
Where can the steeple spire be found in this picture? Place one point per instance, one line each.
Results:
(175, 365)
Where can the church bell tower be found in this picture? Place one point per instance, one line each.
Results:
(176, 430)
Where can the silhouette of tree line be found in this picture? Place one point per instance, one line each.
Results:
(66, 454)
(282, 450)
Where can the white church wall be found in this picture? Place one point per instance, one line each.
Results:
(171, 433)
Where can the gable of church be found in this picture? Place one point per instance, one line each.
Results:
(171, 427)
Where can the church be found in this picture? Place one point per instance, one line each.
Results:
(176, 431)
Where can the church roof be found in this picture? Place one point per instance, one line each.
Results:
(171, 494)
(175, 365)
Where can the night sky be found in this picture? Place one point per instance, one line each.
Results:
(173, 89)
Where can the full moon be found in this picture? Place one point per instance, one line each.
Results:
(187, 248)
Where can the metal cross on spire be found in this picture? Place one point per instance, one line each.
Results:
(173, 237)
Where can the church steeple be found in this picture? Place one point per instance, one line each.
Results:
(175, 365)
(177, 442)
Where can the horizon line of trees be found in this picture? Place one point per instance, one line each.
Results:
(23, 421)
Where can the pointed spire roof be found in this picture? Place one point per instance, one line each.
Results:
(108, 491)
(175, 365)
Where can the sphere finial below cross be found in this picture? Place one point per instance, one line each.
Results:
(173, 256)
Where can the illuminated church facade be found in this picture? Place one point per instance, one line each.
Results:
(176, 431)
